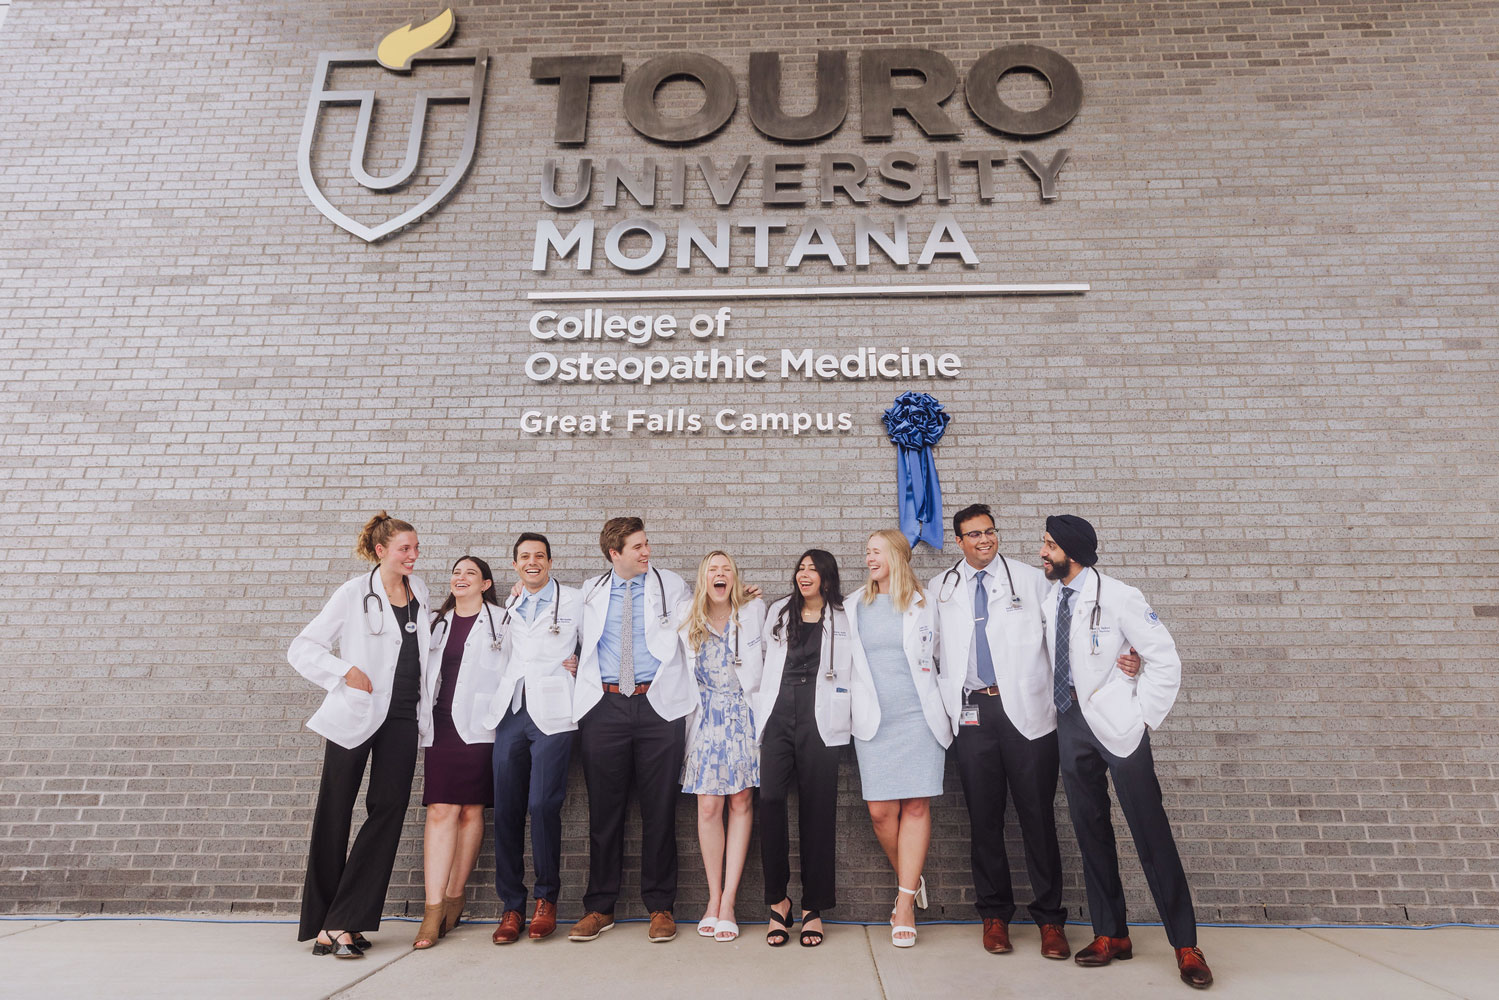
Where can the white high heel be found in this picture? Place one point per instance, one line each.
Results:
(903, 942)
(921, 899)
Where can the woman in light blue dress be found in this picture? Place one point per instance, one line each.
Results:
(897, 701)
(722, 633)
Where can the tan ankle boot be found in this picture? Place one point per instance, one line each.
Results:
(431, 928)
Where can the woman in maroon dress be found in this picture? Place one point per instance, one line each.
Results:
(466, 637)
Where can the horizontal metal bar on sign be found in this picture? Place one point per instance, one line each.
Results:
(812, 292)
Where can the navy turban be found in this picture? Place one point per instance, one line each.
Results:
(1075, 536)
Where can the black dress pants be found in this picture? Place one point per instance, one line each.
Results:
(792, 751)
(624, 741)
(993, 757)
(348, 892)
(1086, 769)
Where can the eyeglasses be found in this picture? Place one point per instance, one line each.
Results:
(974, 536)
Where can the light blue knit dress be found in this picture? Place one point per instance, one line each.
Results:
(904, 760)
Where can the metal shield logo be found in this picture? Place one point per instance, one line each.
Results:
(398, 53)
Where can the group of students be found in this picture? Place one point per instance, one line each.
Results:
(1029, 672)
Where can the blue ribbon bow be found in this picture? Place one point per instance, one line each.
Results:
(915, 423)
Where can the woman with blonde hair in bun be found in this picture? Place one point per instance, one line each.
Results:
(901, 725)
(378, 708)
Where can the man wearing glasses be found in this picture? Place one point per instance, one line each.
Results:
(996, 680)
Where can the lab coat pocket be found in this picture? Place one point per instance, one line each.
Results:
(344, 710)
(1116, 710)
(551, 697)
(480, 710)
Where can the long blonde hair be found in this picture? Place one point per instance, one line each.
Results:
(697, 621)
(903, 582)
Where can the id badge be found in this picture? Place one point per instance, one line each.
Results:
(969, 716)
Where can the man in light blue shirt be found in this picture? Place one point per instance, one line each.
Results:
(630, 708)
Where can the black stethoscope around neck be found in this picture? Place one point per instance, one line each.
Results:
(1093, 616)
(496, 639)
(553, 628)
(664, 617)
(376, 623)
(954, 577)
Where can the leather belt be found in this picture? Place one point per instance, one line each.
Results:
(992, 691)
(639, 688)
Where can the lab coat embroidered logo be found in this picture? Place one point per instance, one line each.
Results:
(408, 60)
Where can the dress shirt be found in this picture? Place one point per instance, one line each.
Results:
(646, 664)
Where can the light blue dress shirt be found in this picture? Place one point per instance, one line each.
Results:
(646, 664)
(531, 605)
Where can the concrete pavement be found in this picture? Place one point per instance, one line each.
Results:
(125, 959)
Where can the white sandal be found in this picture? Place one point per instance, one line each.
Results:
(708, 926)
(726, 930)
(921, 899)
(895, 929)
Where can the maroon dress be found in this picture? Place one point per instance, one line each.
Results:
(457, 773)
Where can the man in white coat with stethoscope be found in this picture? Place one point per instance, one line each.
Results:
(1104, 718)
(634, 689)
(532, 714)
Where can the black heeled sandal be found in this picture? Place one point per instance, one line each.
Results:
(780, 927)
(337, 948)
(810, 939)
(360, 941)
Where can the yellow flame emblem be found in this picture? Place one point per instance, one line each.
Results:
(397, 49)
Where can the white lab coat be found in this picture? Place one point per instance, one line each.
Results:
(919, 640)
(478, 673)
(673, 693)
(347, 715)
(532, 658)
(1116, 706)
(751, 651)
(832, 699)
(1022, 670)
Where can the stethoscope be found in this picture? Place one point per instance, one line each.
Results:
(733, 622)
(376, 624)
(553, 628)
(664, 618)
(1093, 616)
(949, 587)
(496, 640)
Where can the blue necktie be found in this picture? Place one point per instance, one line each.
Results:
(980, 631)
(1061, 681)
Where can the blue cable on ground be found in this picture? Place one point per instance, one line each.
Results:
(58, 918)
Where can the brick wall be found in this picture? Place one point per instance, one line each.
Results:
(1276, 403)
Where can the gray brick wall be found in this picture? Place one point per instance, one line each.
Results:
(1276, 403)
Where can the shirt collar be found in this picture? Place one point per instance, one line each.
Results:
(1080, 584)
(966, 568)
(618, 583)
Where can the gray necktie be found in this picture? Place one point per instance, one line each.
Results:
(627, 641)
(984, 657)
(1061, 682)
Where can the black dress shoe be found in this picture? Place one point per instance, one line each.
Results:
(337, 949)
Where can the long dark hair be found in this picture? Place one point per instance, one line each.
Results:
(789, 622)
(488, 595)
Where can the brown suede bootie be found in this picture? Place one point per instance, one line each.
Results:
(431, 928)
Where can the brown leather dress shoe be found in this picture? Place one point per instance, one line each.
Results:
(1194, 968)
(997, 936)
(663, 927)
(1054, 942)
(1104, 950)
(543, 920)
(591, 926)
(509, 930)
